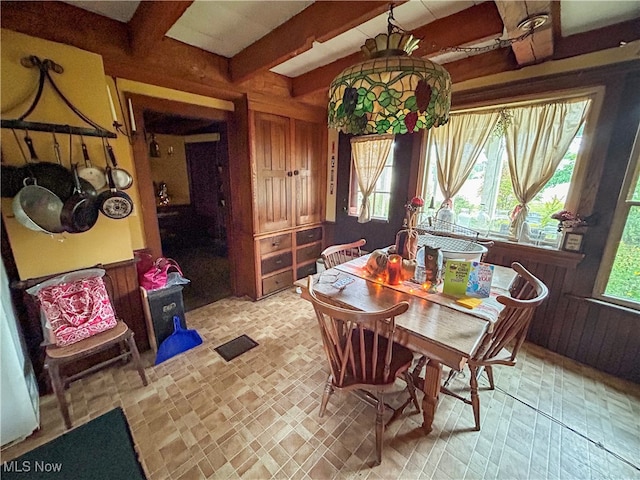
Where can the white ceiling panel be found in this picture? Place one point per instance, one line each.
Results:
(226, 28)
(322, 53)
(409, 13)
(578, 17)
(121, 11)
(444, 8)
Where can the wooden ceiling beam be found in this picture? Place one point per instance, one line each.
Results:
(473, 25)
(173, 65)
(64, 23)
(470, 26)
(188, 69)
(595, 40)
(490, 63)
(151, 21)
(537, 47)
(320, 22)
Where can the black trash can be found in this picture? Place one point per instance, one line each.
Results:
(160, 307)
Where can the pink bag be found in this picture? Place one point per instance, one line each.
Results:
(156, 276)
(77, 310)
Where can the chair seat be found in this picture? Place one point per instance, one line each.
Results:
(400, 361)
(90, 344)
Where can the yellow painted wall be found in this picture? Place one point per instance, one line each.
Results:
(85, 85)
(172, 169)
(83, 82)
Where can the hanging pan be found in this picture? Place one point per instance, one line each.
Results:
(38, 208)
(121, 178)
(93, 175)
(80, 211)
(35, 207)
(114, 203)
(52, 176)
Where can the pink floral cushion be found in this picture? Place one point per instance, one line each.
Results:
(77, 310)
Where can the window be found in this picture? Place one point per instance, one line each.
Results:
(620, 270)
(486, 199)
(381, 197)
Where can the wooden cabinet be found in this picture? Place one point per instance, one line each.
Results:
(272, 163)
(286, 257)
(308, 156)
(288, 161)
(278, 192)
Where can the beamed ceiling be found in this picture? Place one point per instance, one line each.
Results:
(224, 49)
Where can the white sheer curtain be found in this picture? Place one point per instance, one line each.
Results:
(537, 137)
(457, 146)
(369, 154)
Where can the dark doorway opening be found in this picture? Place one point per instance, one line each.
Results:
(191, 184)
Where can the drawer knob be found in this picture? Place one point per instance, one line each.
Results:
(296, 172)
(275, 244)
(289, 174)
(278, 262)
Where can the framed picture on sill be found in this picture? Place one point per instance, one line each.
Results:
(572, 242)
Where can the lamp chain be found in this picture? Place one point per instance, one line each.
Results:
(498, 43)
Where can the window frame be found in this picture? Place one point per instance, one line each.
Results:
(618, 224)
(354, 207)
(580, 177)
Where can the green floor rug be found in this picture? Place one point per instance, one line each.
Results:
(101, 449)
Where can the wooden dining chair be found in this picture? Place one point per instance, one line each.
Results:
(362, 354)
(337, 254)
(114, 345)
(502, 344)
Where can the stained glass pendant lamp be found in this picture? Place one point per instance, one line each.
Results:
(390, 91)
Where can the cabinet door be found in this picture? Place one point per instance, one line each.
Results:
(308, 164)
(272, 158)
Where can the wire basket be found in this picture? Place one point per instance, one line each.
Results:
(443, 228)
(453, 248)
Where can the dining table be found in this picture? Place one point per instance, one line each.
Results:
(435, 326)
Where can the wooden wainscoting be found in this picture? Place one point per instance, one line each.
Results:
(127, 303)
(595, 333)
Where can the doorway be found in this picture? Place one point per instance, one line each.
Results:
(188, 159)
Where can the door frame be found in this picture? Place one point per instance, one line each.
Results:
(142, 164)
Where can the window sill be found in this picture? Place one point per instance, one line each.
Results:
(606, 302)
(377, 220)
(540, 254)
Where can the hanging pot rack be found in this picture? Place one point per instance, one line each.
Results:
(45, 67)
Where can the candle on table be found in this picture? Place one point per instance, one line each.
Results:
(394, 269)
(131, 117)
(113, 108)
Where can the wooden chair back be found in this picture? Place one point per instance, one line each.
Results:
(358, 345)
(527, 293)
(337, 254)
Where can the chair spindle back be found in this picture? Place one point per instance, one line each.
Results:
(337, 254)
(347, 335)
(527, 293)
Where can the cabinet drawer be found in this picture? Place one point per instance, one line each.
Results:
(306, 270)
(309, 236)
(277, 282)
(276, 263)
(311, 252)
(275, 243)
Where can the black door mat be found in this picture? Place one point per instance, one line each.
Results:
(235, 347)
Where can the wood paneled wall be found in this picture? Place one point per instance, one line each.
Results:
(595, 333)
